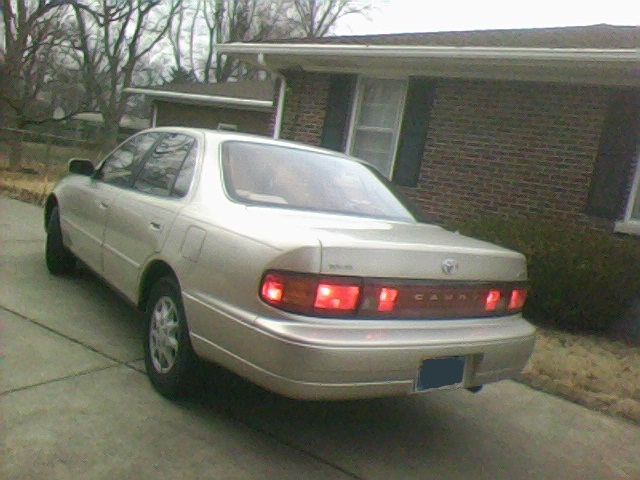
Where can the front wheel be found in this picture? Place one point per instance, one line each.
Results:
(59, 259)
(169, 358)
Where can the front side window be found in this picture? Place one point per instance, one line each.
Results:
(119, 167)
(160, 170)
(376, 121)
(273, 175)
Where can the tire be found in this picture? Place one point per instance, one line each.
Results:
(169, 359)
(59, 260)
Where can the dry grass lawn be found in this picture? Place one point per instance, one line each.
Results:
(596, 372)
(31, 185)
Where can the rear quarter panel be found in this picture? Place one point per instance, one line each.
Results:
(221, 287)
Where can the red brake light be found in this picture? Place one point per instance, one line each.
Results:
(272, 288)
(491, 303)
(387, 299)
(309, 294)
(353, 297)
(337, 297)
(518, 297)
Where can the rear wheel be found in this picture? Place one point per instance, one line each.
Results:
(59, 259)
(169, 358)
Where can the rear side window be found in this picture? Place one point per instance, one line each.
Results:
(181, 187)
(162, 168)
(119, 167)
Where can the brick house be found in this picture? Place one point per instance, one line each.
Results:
(243, 106)
(543, 122)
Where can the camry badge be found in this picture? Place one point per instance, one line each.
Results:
(450, 266)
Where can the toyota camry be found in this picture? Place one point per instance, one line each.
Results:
(298, 268)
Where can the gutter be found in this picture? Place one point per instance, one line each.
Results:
(459, 53)
(204, 99)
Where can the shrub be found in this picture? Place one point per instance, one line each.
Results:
(580, 279)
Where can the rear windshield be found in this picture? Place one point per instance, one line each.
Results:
(288, 177)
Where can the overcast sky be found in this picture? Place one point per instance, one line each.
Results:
(398, 16)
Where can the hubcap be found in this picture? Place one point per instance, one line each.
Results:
(164, 334)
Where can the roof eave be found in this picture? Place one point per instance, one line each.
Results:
(591, 66)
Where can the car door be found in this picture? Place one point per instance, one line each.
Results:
(87, 204)
(141, 217)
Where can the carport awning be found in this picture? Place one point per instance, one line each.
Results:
(616, 67)
(200, 99)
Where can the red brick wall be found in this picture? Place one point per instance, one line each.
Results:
(305, 104)
(493, 147)
(499, 147)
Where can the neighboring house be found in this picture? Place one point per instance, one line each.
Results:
(244, 106)
(543, 123)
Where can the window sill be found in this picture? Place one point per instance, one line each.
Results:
(630, 227)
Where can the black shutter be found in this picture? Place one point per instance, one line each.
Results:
(334, 129)
(417, 112)
(618, 143)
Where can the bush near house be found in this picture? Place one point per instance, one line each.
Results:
(580, 280)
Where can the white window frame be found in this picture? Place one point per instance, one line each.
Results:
(631, 225)
(355, 114)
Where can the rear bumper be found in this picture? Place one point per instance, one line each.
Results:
(345, 359)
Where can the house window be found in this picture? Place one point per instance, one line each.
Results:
(634, 214)
(631, 222)
(376, 120)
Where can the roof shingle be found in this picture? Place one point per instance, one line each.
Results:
(601, 36)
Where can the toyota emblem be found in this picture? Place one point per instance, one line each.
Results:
(450, 266)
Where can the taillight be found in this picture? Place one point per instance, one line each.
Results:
(518, 297)
(496, 300)
(493, 298)
(272, 288)
(341, 296)
(336, 297)
(387, 299)
(311, 294)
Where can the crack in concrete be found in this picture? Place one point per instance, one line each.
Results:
(127, 364)
(59, 379)
(73, 340)
(60, 334)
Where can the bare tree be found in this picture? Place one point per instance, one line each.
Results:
(175, 34)
(205, 24)
(241, 21)
(112, 37)
(221, 21)
(317, 18)
(35, 42)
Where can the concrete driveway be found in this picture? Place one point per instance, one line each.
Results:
(76, 404)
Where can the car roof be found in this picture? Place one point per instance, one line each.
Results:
(218, 136)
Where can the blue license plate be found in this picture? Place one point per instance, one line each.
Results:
(440, 372)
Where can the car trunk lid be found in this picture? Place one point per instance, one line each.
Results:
(415, 251)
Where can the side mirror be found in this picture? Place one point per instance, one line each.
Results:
(81, 166)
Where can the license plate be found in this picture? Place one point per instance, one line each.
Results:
(440, 372)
